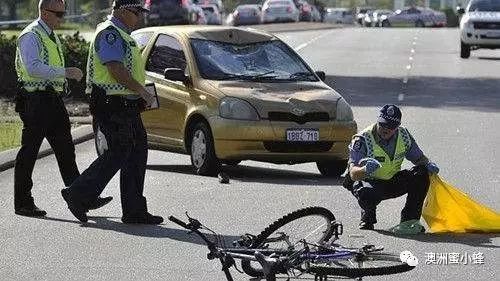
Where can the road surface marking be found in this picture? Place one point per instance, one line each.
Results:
(302, 46)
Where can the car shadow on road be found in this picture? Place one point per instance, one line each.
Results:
(244, 173)
(478, 94)
(488, 58)
(483, 240)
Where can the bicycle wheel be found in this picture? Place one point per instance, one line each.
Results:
(369, 264)
(313, 224)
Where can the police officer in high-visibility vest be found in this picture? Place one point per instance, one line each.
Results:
(376, 156)
(115, 82)
(42, 77)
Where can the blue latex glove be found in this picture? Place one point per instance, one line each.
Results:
(371, 165)
(432, 168)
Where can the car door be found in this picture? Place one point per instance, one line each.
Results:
(164, 125)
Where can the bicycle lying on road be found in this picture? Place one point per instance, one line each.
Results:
(297, 245)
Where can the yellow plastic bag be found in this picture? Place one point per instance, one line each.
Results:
(447, 209)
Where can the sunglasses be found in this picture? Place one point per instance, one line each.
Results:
(58, 14)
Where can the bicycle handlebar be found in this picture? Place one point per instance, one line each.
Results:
(178, 221)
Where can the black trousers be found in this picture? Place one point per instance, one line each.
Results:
(44, 116)
(414, 182)
(127, 151)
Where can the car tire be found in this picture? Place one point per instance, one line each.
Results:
(332, 168)
(464, 50)
(386, 23)
(202, 150)
(101, 145)
(419, 23)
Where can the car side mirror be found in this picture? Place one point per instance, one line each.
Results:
(460, 10)
(321, 75)
(175, 74)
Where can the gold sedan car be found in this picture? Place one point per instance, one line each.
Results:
(228, 94)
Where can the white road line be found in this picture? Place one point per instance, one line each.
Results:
(412, 51)
(302, 46)
(401, 97)
(408, 67)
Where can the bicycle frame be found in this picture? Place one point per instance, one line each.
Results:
(282, 261)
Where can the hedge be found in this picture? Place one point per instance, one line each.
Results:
(75, 53)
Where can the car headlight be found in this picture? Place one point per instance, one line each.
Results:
(344, 111)
(234, 108)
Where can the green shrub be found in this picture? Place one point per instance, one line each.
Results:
(75, 54)
(451, 17)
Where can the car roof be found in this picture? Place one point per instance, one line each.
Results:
(227, 34)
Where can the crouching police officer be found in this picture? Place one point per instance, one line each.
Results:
(375, 174)
(115, 81)
(41, 75)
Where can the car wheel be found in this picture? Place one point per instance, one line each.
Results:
(333, 168)
(101, 145)
(202, 151)
(464, 50)
(419, 23)
(386, 23)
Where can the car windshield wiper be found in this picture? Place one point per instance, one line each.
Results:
(303, 74)
(228, 76)
(265, 75)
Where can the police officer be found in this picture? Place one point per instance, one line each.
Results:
(115, 81)
(375, 174)
(41, 75)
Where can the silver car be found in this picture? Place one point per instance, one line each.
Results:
(279, 11)
(415, 17)
(212, 14)
(339, 15)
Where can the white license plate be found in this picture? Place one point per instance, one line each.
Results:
(302, 135)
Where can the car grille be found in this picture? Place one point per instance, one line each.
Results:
(297, 147)
(308, 117)
(487, 25)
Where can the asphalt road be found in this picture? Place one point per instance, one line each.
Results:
(450, 105)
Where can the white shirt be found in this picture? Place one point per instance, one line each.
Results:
(30, 46)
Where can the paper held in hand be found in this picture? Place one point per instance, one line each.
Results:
(150, 87)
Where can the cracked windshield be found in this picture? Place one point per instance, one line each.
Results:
(270, 61)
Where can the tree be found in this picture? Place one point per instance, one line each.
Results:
(11, 8)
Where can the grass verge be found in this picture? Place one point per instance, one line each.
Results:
(10, 135)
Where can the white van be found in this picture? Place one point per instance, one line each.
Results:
(479, 26)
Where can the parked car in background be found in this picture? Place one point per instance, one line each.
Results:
(228, 94)
(479, 26)
(246, 14)
(367, 20)
(415, 17)
(168, 12)
(212, 14)
(199, 15)
(339, 15)
(378, 16)
(360, 13)
(315, 14)
(279, 11)
(305, 10)
(217, 3)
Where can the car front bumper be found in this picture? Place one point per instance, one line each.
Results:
(266, 140)
(480, 37)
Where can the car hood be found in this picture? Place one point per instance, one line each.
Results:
(483, 16)
(299, 99)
